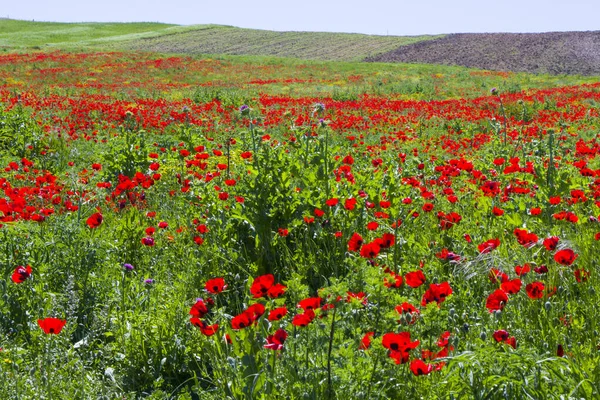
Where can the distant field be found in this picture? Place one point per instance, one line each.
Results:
(305, 45)
(199, 39)
(552, 52)
(555, 53)
(18, 34)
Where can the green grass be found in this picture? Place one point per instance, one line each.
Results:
(304, 45)
(198, 39)
(18, 34)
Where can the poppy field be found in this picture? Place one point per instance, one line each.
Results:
(255, 228)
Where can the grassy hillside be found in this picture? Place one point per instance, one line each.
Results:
(18, 34)
(198, 39)
(305, 45)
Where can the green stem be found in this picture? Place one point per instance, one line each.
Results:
(329, 388)
(502, 111)
(228, 156)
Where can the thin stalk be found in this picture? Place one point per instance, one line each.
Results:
(550, 173)
(228, 156)
(307, 149)
(254, 147)
(504, 124)
(331, 332)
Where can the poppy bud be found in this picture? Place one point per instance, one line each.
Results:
(483, 336)
(548, 306)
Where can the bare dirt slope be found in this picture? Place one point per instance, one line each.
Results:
(553, 52)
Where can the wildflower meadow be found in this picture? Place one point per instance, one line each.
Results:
(260, 228)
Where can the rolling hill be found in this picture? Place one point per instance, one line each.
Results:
(557, 53)
(552, 52)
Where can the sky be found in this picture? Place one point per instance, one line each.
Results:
(377, 17)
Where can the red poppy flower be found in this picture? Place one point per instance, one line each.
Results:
(215, 285)
(199, 309)
(497, 300)
(303, 319)
(261, 285)
(365, 342)
(94, 220)
(399, 344)
(497, 211)
(522, 270)
(418, 367)
(51, 325)
(370, 250)
(581, 275)
(525, 238)
(373, 225)
(255, 311)
(21, 274)
(565, 257)
(355, 242)
(437, 293)
(542, 269)
(277, 314)
(551, 243)
(241, 321)
(511, 287)
(415, 279)
(393, 281)
(408, 312)
(512, 342)
(444, 339)
(535, 211)
(207, 330)
(311, 303)
(349, 204)
(427, 207)
(276, 290)
(332, 202)
(535, 290)
(488, 246)
(275, 341)
(500, 335)
(387, 240)
(148, 241)
(360, 296)
(555, 200)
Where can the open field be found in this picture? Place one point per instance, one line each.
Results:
(226, 227)
(16, 34)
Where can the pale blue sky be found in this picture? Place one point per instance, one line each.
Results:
(379, 17)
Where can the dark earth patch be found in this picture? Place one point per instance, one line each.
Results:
(553, 52)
